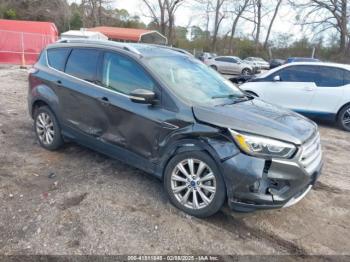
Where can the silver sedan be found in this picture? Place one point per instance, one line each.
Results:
(230, 65)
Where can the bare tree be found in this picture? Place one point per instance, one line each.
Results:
(238, 9)
(324, 15)
(157, 13)
(255, 16)
(219, 16)
(162, 13)
(271, 23)
(257, 19)
(41, 10)
(92, 11)
(207, 10)
(171, 7)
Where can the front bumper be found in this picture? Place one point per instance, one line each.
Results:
(264, 67)
(256, 69)
(255, 183)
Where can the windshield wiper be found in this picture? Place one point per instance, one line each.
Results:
(228, 96)
(235, 99)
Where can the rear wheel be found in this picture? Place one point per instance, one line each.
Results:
(194, 184)
(47, 129)
(344, 118)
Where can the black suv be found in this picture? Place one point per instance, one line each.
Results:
(163, 111)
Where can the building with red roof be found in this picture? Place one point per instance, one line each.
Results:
(22, 41)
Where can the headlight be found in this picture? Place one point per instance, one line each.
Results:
(262, 146)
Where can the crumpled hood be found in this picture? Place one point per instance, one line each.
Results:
(258, 117)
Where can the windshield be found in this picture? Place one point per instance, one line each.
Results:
(192, 80)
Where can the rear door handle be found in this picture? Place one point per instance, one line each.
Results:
(59, 82)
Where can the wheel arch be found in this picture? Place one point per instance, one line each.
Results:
(37, 104)
(340, 109)
(180, 146)
(218, 150)
(43, 95)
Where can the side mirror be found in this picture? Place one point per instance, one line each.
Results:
(276, 78)
(142, 96)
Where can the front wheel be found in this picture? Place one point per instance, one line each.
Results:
(344, 118)
(214, 67)
(246, 71)
(194, 184)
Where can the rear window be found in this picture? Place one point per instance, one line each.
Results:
(57, 57)
(82, 63)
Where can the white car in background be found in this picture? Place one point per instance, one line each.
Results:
(258, 62)
(230, 65)
(315, 89)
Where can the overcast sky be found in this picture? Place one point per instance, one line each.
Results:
(284, 23)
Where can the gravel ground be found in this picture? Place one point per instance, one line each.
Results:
(76, 201)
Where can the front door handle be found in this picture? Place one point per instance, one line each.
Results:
(104, 100)
(308, 88)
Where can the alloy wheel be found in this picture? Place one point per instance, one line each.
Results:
(45, 128)
(193, 183)
(245, 72)
(346, 118)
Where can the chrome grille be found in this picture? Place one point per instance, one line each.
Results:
(311, 154)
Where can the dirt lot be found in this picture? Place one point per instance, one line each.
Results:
(76, 201)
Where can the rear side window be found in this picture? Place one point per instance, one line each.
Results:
(124, 75)
(226, 59)
(346, 77)
(57, 57)
(82, 63)
(330, 77)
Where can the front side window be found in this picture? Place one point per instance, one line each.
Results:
(82, 63)
(232, 60)
(57, 57)
(330, 77)
(302, 73)
(124, 75)
(193, 81)
(220, 59)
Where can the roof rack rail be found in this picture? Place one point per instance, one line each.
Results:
(123, 46)
(174, 49)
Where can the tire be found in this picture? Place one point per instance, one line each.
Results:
(246, 71)
(214, 67)
(209, 190)
(344, 118)
(47, 129)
